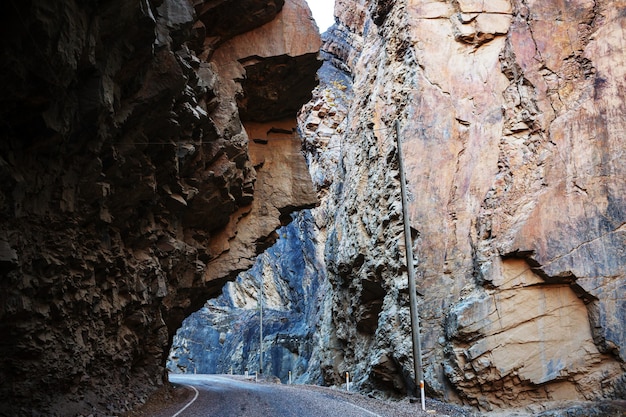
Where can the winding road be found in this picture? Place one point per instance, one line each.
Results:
(225, 396)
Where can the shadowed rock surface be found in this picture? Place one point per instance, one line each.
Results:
(125, 178)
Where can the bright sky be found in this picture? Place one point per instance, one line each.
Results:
(322, 13)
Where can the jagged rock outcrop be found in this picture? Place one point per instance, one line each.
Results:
(511, 118)
(223, 336)
(127, 189)
(268, 71)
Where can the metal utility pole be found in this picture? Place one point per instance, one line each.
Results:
(415, 321)
(261, 326)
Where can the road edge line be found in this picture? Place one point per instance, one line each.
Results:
(361, 408)
(190, 402)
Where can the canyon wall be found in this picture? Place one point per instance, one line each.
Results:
(129, 193)
(150, 151)
(511, 119)
(224, 336)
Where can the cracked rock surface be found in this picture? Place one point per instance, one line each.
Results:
(128, 192)
(512, 125)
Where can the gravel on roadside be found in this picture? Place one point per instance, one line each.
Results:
(166, 397)
(397, 408)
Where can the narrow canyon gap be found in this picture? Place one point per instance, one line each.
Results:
(151, 150)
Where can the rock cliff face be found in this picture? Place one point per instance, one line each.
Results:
(223, 336)
(128, 191)
(512, 123)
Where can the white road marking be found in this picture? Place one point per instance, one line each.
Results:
(363, 409)
(189, 403)
(225, 378)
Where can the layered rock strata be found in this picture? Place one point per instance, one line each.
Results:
(511, 116)
(128, 194)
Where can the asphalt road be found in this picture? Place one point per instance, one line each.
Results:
(224, 396)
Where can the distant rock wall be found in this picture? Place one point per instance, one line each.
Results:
(224, 336)
(128, 195)
(512, 122)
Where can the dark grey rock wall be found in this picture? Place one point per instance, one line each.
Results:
(123, 161)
